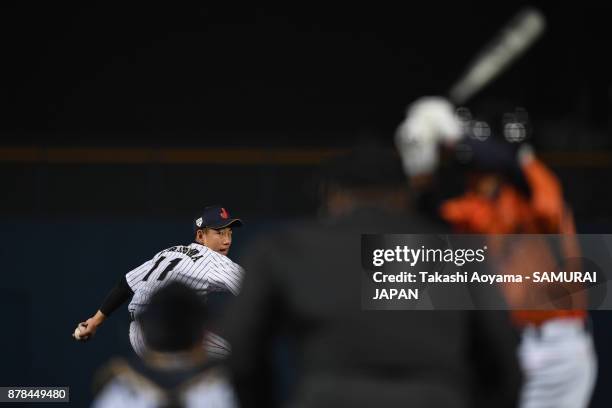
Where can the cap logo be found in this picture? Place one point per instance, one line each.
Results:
(224, 214)
(199, 222)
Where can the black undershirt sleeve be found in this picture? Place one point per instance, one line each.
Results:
(116, 297)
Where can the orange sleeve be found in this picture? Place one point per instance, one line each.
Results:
(469, 213)
(546, 195)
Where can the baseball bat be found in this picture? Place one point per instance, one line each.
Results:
(514, 39)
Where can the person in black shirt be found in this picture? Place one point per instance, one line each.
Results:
(305, 282)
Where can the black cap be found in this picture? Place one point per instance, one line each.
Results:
(215, 217)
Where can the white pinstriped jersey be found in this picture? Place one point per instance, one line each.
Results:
(195, 265)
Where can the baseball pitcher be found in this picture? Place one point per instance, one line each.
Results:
(202, 265)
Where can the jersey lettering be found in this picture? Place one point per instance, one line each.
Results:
(153, 268)
(170, 267)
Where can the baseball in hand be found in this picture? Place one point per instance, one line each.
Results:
(77, 333)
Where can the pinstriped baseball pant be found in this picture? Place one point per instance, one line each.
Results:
(559, 365)
(216, 346)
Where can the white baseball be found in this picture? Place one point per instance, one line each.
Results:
(77, 333)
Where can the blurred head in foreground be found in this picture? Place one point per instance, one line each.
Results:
(368, 175)
(175, 371)
(175, 320)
